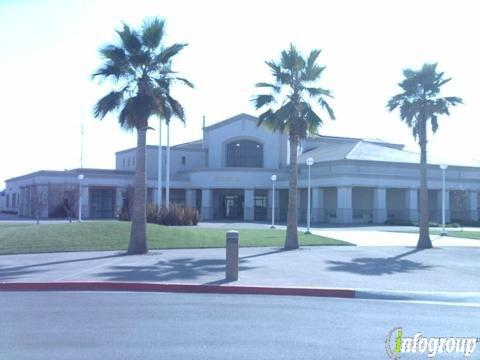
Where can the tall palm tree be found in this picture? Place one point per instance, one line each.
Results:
(140, 67)
(419, 103)
(289, 109)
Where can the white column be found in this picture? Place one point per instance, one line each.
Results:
(411, 205)
(318, 205)
(85, 202)
(191, 198)
(344, 205)
(207, 204)
(277, 205)
(42, 192)
(248, 205)
(118, 199)
(472, 206)
(439, 206)
(379, 205)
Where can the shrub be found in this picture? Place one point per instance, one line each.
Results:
(174, 216)
(399, 222)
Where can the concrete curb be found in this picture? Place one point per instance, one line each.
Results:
(424, 296)
(177, 288)
(368, 294)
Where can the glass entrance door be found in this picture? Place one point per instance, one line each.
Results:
(233, 207)
(102, 203)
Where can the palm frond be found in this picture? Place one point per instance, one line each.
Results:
(177, 108)
(262, 100)
(109, 70)
(152, 33)
(166, 54)
(108, 103)
(324, 104)
(316, 92)
(184, 81)
(130, 39)
(273, 87)
(114, 53)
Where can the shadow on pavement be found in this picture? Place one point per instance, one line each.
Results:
(18, 271)
(274, 251)
(169, 270)
(379, 266)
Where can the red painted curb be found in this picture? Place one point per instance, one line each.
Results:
(176, 288)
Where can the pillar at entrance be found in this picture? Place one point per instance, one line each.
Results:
(191, 198)
(411, 205)
(318, 205)
(248, 207)
(472, 206)
(344, 205)
(118, 200)
(379, 205)
(207, 204)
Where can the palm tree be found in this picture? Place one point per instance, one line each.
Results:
(419, 103)
(140, 67)
(289, 110)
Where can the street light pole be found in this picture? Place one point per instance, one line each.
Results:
(273, 178)
(167, 170)
(80, 178)
(159, 184)
(309, 164)
(444, 168)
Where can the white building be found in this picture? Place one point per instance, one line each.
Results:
(226, 175)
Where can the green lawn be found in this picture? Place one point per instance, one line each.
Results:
(453, 232)
(114, 235)
(475, 235)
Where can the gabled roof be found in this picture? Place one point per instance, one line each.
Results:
(328, 152)
(377, 152)
(197, 144)
(230, 120)
(369, 151)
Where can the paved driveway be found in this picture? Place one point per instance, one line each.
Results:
(361, 235)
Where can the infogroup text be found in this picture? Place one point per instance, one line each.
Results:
(396, 343)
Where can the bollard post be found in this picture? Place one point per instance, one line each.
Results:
(231, 269)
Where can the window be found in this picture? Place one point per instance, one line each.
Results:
(133, 161)
(184, 160)
(8, 200)
(128, 162)
(124, 162)
(14, 200)
(244, 153)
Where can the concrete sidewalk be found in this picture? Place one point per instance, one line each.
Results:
(381, 268)
(366, 235)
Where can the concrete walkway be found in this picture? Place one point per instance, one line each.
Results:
(389, 238)
(380, 268)
(363, 235)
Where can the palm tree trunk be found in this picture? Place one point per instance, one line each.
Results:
(424, 241)
(138, 234)
(291, 240)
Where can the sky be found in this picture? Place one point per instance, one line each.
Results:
(49, 49)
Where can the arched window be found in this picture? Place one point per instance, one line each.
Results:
(244, 153)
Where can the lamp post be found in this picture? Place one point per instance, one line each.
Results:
(443, 167)
(309, 163)
(80, 178)
(160, 160)
(273, 178)
(167, 170)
